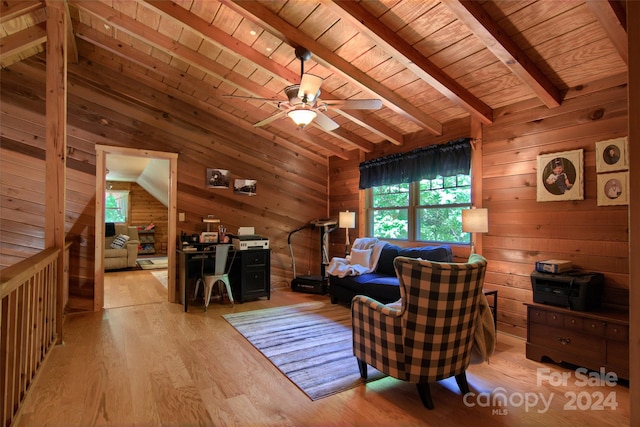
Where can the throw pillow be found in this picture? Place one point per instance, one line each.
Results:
(360, 257)
(119, 241)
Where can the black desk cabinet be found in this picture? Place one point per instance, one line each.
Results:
(250, 274)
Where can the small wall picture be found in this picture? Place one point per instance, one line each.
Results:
(218, 178)
(245, 187)
(613, 189)
(560, 176)
(611, 155)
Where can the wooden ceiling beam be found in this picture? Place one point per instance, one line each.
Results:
(175, 49)
(261, 15)
(72, 47)
(350, 138)
(21, 41)
(171, 47)
(145, 61)
(612, 16)
(9, 11)
(365, 120)
(224, 41)
(472, 15)
(361, 19)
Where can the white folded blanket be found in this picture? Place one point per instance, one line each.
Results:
(365, 253)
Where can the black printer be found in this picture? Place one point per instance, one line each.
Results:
(574, 290)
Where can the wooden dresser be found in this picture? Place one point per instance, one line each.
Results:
(591, 339)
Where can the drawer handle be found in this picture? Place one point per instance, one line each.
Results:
(615, 330)
(554, 317)
(573, 321)
(564, 341)
(593, 325)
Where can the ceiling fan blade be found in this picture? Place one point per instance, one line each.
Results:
(353, 104)
(309, 87)
(270, 119)
(325, 122)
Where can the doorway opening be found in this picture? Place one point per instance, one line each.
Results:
(166, 189)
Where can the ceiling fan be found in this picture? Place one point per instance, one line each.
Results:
(303, 104)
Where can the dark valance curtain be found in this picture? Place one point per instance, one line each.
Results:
(448, 159)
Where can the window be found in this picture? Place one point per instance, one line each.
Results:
(428, 210)
(116, 206)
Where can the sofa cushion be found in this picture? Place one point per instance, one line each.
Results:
(430, 253)
(116, 253)
(360, 256)
(382, 287)
(119, 241)
(385, 262)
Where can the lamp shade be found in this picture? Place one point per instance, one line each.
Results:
(347, 220)
(475, 220)
(302, 117)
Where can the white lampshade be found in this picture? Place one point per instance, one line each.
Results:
(475, 220)
(347, 220)
(302, 117)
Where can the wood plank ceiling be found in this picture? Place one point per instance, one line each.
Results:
(428, 61)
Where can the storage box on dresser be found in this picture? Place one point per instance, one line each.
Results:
(591, 339)
(250, 274)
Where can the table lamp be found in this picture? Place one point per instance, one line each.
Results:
(210, 220)
(475, 221)
(347, 220)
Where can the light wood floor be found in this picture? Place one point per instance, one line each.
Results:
(147, 363)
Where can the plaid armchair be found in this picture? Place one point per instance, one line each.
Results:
(429, 335)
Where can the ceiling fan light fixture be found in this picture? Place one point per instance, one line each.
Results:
(302, 117)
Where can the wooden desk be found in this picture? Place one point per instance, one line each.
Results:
(249, 271)
(190, 266)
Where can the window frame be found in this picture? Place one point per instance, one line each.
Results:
(412, 213)
(127, 208)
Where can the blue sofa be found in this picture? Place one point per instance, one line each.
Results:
(382, 284)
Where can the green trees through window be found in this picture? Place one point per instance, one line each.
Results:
(429, 210)
(116, 206)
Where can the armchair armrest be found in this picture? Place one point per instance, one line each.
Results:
(377, 335)
(368, 303)
(132, 252)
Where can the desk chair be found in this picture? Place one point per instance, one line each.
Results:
(219, 276)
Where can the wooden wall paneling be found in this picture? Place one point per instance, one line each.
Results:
(633, 30)
(80, 229)
(145, 209)
(292, 189)
(22, 200)
(344, 179)
(523, 230)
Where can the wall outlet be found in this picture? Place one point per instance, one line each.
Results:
(181, 216)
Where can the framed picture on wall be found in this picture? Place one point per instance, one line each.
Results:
(560, 176)
(611, 155)
(218, 178)
(245, 187)
(613, 189)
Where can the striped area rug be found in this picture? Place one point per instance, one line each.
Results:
(310, 343)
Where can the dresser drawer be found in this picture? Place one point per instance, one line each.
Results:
(537, 316)
(573, 322)
(575, 345)
(594, 327)
(555, 319)
(617, 332)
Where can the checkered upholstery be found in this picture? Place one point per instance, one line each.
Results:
(428, 337)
